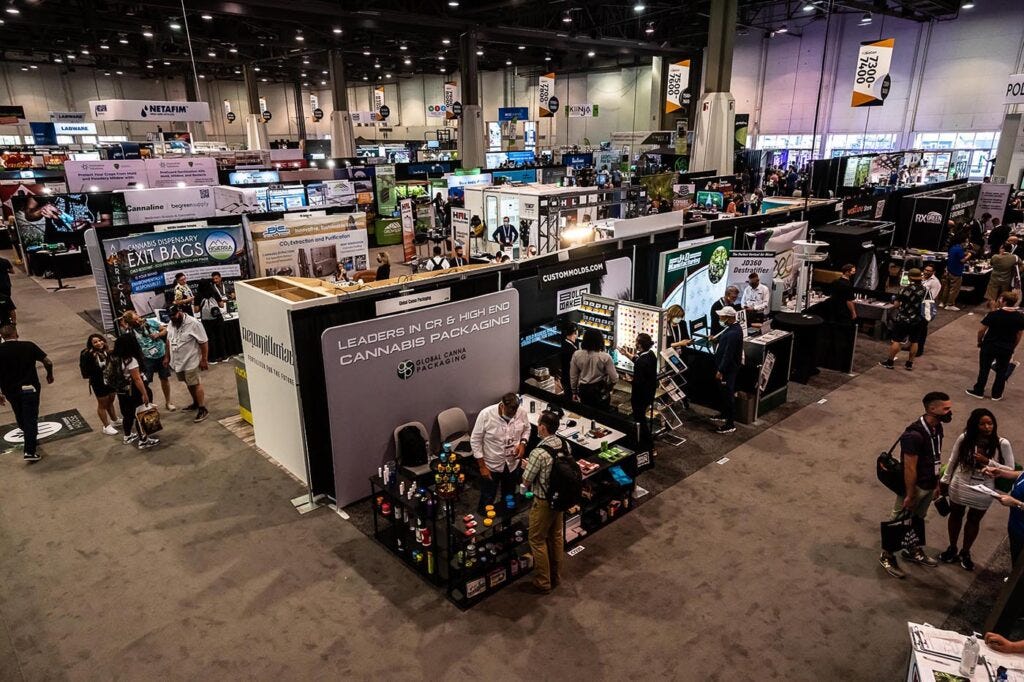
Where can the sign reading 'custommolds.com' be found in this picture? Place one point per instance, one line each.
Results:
(411, 366)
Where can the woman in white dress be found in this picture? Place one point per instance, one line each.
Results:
(977, 447)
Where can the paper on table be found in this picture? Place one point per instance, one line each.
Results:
(981, 487)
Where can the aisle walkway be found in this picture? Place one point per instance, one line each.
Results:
(188, 562)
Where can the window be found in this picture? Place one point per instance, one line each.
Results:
(957, 140)
(65, 139)
(852, 143)
(113, 138)
(88, 139)
(786, 141)
(10, 139)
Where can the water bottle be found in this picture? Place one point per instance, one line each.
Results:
(969, 657)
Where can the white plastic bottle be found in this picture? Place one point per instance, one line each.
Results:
(969, 657)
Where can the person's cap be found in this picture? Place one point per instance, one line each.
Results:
(914, 273)
(174, 309)
(727, 311)
(458, 245)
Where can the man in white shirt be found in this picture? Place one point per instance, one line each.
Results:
(187, 354)
(755, 299)
(499, 442)
(437, 261)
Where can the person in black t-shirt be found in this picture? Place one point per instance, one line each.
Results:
(841, 302)
(8, 311)
(921, 453)
(729, 299)
(569, 347)
(998, 336)
(6, 270)
(19, 384)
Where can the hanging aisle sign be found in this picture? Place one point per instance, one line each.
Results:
(67, 116)
(677, 87)
(871, 81)
(582, 111)
(378, 97)
(1015, 89)
(545, 91)
(148, 110)
(451, 96)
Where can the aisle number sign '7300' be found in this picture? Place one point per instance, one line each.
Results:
(871, 80)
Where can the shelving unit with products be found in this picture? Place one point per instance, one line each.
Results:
(597, 312)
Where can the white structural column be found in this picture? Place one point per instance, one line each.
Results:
(716, 115)
(255, 128)
(343, 141)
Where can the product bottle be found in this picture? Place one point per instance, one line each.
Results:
(969, 657)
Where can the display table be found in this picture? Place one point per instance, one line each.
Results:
(975, 282)
(806, 329)
(59, 265)
(935, 652)
(577, 432)
(232, 335)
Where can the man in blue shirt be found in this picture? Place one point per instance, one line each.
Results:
(152, 340)
(956, 258)
(728, 360)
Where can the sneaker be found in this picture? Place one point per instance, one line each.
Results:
(970, 392)
(953, 308)
(942, 305)
(949, 556)
(965, 561)
(717, 418)
(995, 399)
(909, 366)
(193, 406)
(130, 438)
(891, 566)
(32, 457)
(149, 442)
(117, 422)
(109, 430)
(888, 364)
(725, 428)
(201, 415)
(919, 557)
(171, 407)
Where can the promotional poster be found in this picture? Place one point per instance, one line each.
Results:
(313, 248)
(64, 218)
(141, 268)
(694, 276)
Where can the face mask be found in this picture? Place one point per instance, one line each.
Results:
(677, 320)
(946, 418)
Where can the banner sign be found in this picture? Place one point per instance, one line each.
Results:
(408, 231)
(451, 96)
(677, 87)
(992, 200)
(461, 354)
(67, 116)
(170, 172)
(582, 111)
(779, 240)
(11, 115)
(460, 225)
(378, 97)
(169, 203)
(65, 128)
(43, 134)
(148, 110)
(572, 272)
(568, 300)
(400, 304)
(744, 263)
(922, 222)
(93, 176)
(142, 267)
(387, 190)
(1015, 89)
(436, 111)
(545, 91)
(695, 276)
(331, 193)
(513, 113)
(965, 199)
(871, 81)
(313, 248)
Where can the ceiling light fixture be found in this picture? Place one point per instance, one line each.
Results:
(32, 66)
(202, 75)
(85, 52)
(13, 10)
(508, 62)
(149, 66)
(866, 19)
(403, 47)
(119, 73)
(299, 37)
(387, 75)
(650, 28)
(479, 53)
(58, 60)
(809, 7)
(591, 53)
(407, 61)
(547, 58)
(71, 56)
(782, 29)
(175, 26)
(24, 68)
(440, 57)
(166, 63)
(968, 4)
(323, 82)
(366, 53)
(337, 31)
(122, 40)
(104, 46)
(233, 50)
(639, 7)
(206, 17)
(453, 3)
(264, 80)
(445, 41)
(567, 17)
(146, 33)
(522, 47)
(443, 70)
(324, 72)
(376, 65)
(256, 69)
(366, 78)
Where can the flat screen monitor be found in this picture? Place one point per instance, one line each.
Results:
(253, 177)
(286, 197)
(433, 144)
(710, 200)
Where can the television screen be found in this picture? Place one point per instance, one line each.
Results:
(286, 197)
(253, 177)
(710, 200)
(49, 218)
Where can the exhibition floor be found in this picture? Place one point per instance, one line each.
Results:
(189, 562)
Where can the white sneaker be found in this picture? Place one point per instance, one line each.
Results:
(110, 430)
(953, 308)
(116, 422)
(171, 407)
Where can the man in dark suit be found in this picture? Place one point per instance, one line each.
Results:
(728, 360)
(569, 346)
(731, 294)
(645, 384)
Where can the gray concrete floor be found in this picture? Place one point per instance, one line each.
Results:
(188, 562)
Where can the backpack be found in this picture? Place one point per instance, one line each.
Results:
(565, 486)
(412, 449)
(113, 375)
(85, 362)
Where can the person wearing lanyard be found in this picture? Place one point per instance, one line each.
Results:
(569, 347)
(506, 234)
(645, 385)
(676, 332)
(921, 453)
(1015, 501)
(499, 442)
(226, 290)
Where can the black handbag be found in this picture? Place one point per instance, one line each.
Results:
(942, 505)
(889, 470)
(904, 532)
(942, 502)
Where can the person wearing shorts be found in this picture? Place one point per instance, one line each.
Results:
(908, 320)
(152, 335)
(187, 354)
